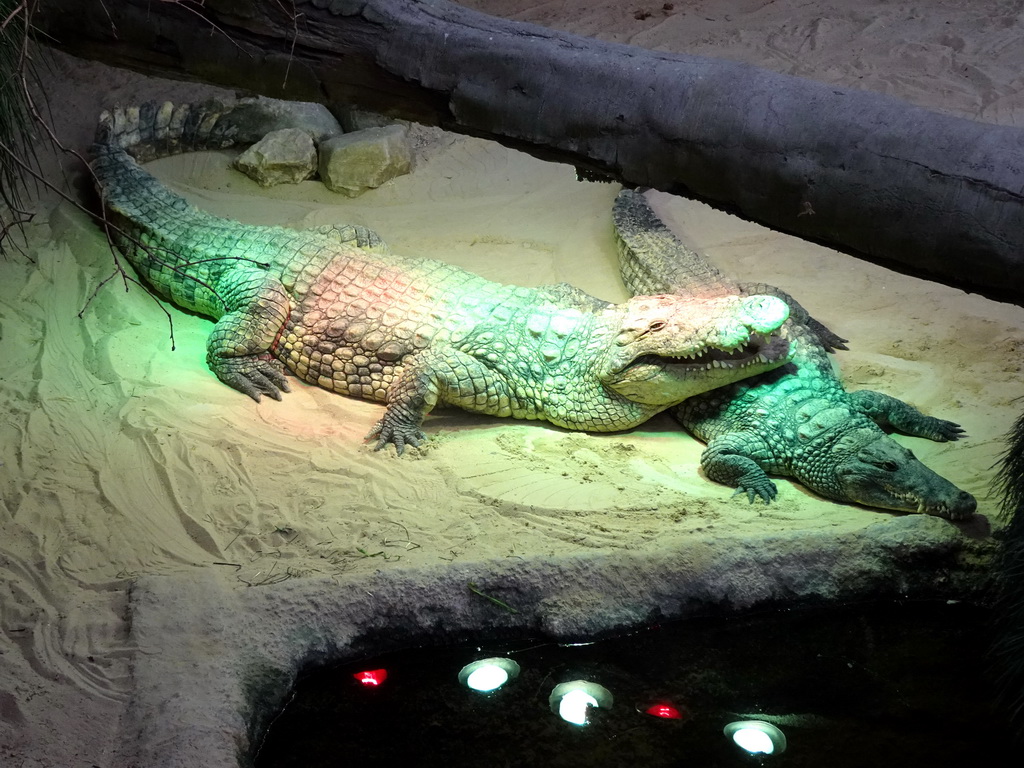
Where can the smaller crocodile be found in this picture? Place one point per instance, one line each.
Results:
(797, 420)
(336, 308)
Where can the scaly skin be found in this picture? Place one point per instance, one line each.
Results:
(338, 310)
(797, 420)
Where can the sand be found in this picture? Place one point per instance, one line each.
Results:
(123, 459)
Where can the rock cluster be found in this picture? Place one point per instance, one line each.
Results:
(302, 140)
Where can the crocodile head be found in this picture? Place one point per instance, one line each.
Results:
(671, 347)
(882, 473)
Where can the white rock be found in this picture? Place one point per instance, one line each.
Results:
(363, 160)
(287, 156)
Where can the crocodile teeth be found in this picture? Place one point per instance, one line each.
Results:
(755, 351)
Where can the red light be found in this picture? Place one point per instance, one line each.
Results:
(371, 676)
(666, 711)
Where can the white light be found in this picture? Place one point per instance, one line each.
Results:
(487, 675)
(487, 678)
(754, 740)
(573, 706)
(757, 737)
(571, 701)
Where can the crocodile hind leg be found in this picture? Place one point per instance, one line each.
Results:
(238, 350)
(887, 411)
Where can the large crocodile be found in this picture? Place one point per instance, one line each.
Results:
(338, 310)
(797, 420)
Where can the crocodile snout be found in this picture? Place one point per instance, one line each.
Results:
(763, 314)
(962, 506)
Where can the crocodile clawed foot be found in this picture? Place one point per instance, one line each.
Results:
(398, 435)
(829, 340)
(254, 375)
(757, 488)
(942, 431)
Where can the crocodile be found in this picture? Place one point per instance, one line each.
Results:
(336, 308)
(797, 420)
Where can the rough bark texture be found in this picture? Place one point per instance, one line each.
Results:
(932, 193)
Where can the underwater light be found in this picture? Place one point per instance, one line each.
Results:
(664, 710)
(757, 737)
(488, 675)
(371, 677)
(572, 701)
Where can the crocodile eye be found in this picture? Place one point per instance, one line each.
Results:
(657, 325)
(890, 466)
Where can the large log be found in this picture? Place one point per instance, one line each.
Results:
(931, 193)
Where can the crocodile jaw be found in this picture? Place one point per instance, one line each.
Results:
(886, 475)
(671, 347)
(665, 381)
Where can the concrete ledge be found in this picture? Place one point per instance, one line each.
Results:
(215, 661)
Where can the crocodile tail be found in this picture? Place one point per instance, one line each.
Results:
(146, 132)
(179, 250)
(653, 260)
(151, 130)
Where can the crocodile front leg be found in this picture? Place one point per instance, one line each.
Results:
(436, 375)
(735, 463)
(888, 411)
(238, 350)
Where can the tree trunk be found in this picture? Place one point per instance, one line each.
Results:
(934, 194)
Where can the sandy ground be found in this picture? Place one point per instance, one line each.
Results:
(122, 455)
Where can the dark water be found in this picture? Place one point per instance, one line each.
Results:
(894, 685)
